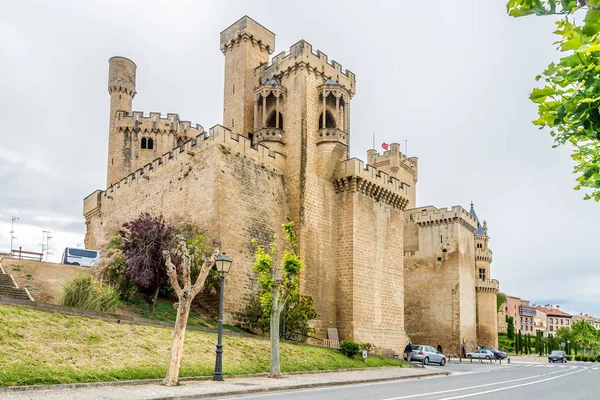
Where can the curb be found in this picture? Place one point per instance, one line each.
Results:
(219, 394)
(182, 379)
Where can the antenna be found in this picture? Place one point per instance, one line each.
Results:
(12, 232)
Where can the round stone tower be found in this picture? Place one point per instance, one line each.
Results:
(121, 87)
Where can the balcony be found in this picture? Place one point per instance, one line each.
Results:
(269, 135)
(328, 135)
(487, 285)
(529, 311)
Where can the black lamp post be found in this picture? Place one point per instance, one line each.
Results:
(222, 264)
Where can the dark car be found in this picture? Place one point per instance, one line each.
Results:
(557, 356)
(498, 355)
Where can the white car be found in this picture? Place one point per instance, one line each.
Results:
(481, 353)
(81, 257)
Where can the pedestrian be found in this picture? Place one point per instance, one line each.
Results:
(408, 351)
(463, 352)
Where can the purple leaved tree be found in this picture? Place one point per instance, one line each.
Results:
(144, 240)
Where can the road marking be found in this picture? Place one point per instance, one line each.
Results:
(470, 387)
(514, 386)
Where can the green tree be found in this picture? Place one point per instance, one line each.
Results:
(500, 300)
(277, 284)
(569, 101)
(585, 336)
(565, 335)
(510, 328)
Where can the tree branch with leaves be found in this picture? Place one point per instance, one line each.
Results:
(277, 284)
(569, 101)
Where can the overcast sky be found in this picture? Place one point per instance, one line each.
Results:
(452, 78)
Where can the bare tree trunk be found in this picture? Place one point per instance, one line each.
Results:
(154, 300)
(183, 312)
(275, 358)
(186, 296)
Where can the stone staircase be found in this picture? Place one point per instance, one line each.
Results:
(9, 288)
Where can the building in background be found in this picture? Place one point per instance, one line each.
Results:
(523, 314)
(552, 318)
(595, 322)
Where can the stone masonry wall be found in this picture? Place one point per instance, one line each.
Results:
(226, 187)
(487, 319)
(373, 284)
(440, 304)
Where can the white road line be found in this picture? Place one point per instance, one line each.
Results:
(514, 386)
(595, 368)
(469, 387)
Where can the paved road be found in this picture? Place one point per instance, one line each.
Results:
(572, 381)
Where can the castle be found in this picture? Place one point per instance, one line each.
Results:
(373, 263)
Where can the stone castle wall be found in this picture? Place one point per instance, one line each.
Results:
(440, 303)
(487, 316)
(218, 181)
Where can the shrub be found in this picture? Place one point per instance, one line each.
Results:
(569, 358)
(83, 292)
(578, 357)
(366, 346)
(349, 348)
(598, 358)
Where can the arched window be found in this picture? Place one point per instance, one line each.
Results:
(144, 143)
(150, 143)
(271, 122)
(329, 121)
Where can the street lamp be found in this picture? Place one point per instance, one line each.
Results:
(222, 264)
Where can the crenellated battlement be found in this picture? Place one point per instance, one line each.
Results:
(393, 158)
(354, 176)
(430, 215)
(487, 286)
(216, 135)
(156, 123)
(301, 55)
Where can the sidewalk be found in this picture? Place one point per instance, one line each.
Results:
(231, 386)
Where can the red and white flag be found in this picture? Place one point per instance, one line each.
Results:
(385, 146)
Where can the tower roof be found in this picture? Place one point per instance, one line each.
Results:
(480, 231)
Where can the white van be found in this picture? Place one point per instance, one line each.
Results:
(83, 257)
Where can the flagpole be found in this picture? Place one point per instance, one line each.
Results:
(373, 141)
(406, 147)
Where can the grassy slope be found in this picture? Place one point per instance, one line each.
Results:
(47, 348)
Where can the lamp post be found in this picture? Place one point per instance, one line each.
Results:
(222, 264)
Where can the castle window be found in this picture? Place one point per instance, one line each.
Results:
(482, 273)
(144, 143)
(329, 121)
(150, 144)
(272, 123)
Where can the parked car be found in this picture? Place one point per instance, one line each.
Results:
(82, 257)
(427, 354)
(481, 353)
(498, 355)
(557, 356)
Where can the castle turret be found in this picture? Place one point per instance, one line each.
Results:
(246, 44)
(398, 166)
(485, 287)
(121, 87)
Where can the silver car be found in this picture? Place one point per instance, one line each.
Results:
(481, 353)
(427, 354)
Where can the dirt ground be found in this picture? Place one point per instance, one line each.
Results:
(42, 279)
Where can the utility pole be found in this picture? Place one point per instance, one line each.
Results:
(12, 231)
(46, 246)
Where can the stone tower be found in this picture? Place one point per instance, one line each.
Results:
(245, 44)
(121, 87)
(485, 287)
(440, 277)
